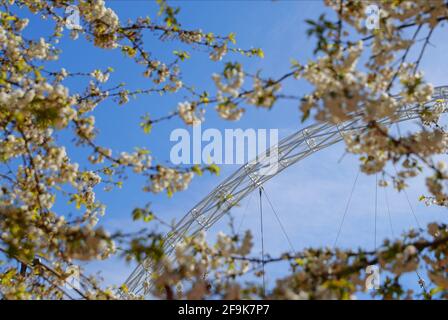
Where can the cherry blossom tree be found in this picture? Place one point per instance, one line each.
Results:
(36, 103)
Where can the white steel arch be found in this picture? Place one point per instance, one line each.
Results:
(247, 178)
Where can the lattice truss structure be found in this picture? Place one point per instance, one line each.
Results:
(267, 165)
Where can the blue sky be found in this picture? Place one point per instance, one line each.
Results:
(310, 197)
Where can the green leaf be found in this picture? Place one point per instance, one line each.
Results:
(146, 124)
(305, 115)
(232, 38)
(182, 55)
(258, 52)
(142, 214)
(129, 51)
(197, 169)
(169, 192)
(137, 214)
(147, 128)
(149, 217)
(213, 168)
(210, 38)
(204, 98)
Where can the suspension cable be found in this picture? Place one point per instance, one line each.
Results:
(376, 208)
(346, 209)
(421, 281)
(412, 209)
(244, 213)
(386, 198)
(262, 242)
(279, 221)
(409, 202)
